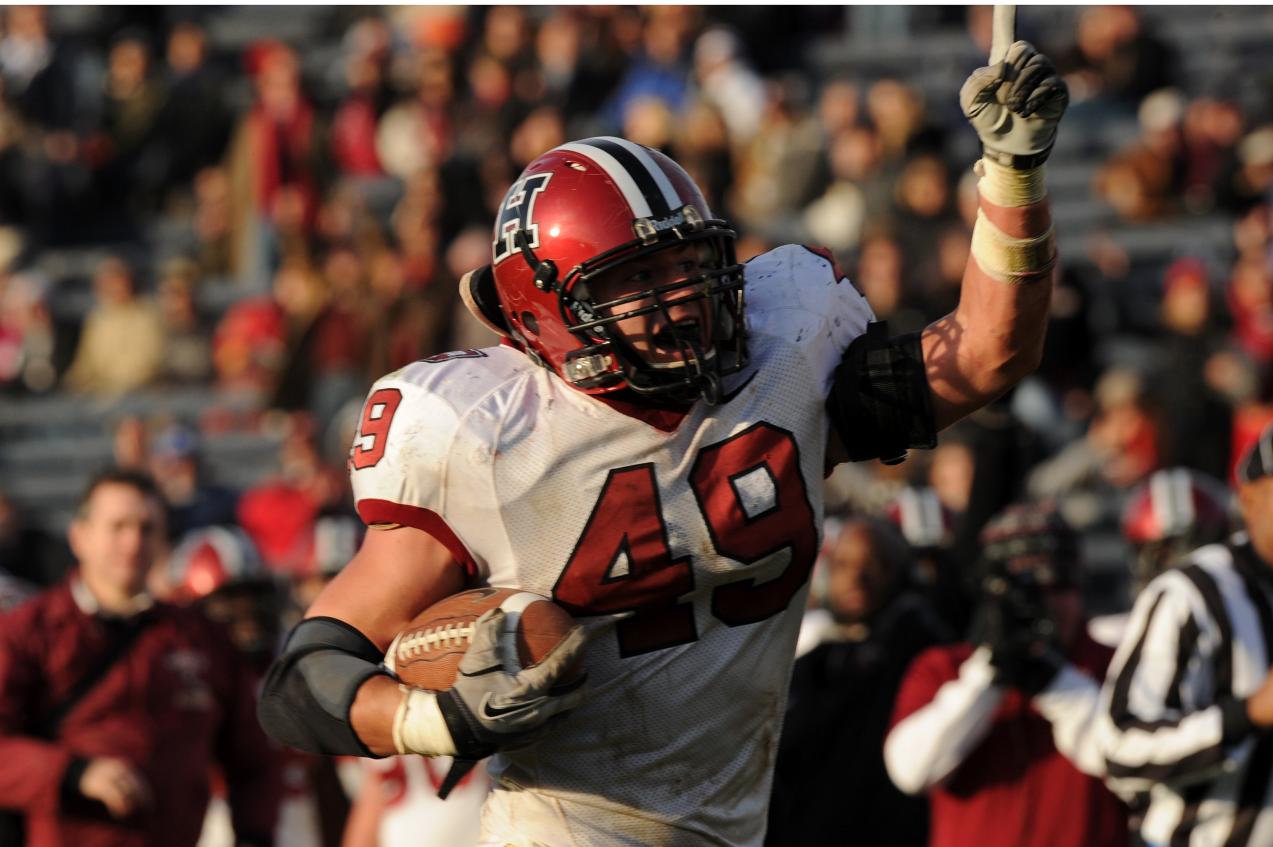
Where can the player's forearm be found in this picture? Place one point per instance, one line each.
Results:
(995, 336)
(373, 712)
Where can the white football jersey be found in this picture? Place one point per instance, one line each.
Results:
(687, 547)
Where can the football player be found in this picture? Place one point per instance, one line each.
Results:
(647, 449)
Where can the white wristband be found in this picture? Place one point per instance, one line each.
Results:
(1010, 187)
(418, 725)
(1011, 259)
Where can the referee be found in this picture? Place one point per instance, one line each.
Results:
(1189, 698)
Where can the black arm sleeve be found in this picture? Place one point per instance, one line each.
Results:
(310, 688)
(880, 403)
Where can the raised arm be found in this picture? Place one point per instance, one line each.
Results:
(995, 335)
(891, 394)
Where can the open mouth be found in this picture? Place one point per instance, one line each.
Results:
(675, 335)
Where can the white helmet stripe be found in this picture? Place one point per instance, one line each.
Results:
(616, 172)
(1171, 498)
(670, 196)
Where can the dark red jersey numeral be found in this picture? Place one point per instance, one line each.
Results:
(776, 516)
(373, 432)
(752, 495)
(623, 563)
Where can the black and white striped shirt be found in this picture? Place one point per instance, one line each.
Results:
(1175, 731)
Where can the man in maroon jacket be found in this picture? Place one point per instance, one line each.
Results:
(1000, 732)
(128, 764)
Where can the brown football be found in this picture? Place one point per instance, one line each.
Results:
(427, 653)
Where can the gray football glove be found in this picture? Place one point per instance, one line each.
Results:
(493, 706)
(1016, 106)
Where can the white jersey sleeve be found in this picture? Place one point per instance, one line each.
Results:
(420, 436)
(798, 294)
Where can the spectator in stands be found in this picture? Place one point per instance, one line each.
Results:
(130, 443)
(122, 344)
(1137, 185)
(1114, 59)
(1253, 182)
(187, 356)
(275, 154)
(543, 129)
(1195, 408)
(881, 275)
(193, 501)
(728, 82)
(327, 355)
(660, 69)
(31, 348)
(1212, 128)
(353, 128)
(854, 196)
(415, 224)
(1122, 446)
(1250, 300)
(896, 111)
(778, 170)
(214, 225)
(1056, 400)
(557, 45)
(250, 344)
(831, 756)
(406, 326)
(194, 126)
(121, 146)
(420, 132)
(127, 764)
(280, 514)
(36, 70)
(999, 731)
(701, 144)
(922, 211)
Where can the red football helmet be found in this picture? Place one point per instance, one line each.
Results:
(210, 559)
(218, 569)
(1170, 514)
(580, 210)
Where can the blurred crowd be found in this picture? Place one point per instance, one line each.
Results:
(281, 223)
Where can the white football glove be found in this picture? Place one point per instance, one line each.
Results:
(491, 706)
(1016, 106)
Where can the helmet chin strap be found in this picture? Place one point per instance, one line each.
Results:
(706, 379)
(545, 270)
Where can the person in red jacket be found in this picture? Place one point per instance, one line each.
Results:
(1000, 732)
(127, 765)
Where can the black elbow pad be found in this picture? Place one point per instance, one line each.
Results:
(880, 404)
(310, 688)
